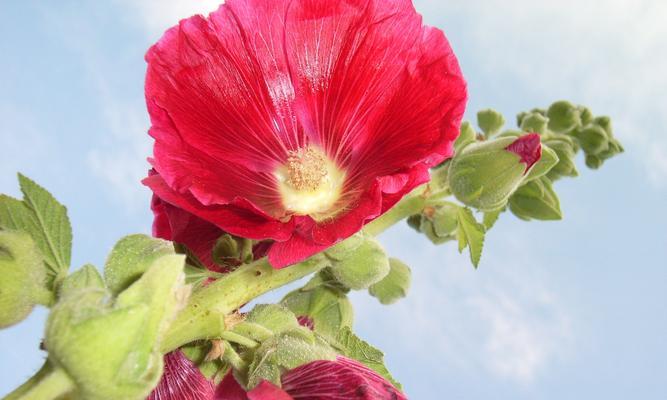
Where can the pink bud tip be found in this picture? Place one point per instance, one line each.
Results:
(528, 147)
(306, 321)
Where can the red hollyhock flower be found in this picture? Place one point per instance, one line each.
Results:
(343, 379)
(298, 121)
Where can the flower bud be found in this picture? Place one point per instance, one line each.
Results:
(485, 174)
(536, 200)
(22, 277)
(438, 223)
(466, 137)
(395, 285)
(593, 139)
(565, 149)
(362, 267)
(490, 122)
(534, 122)
(110, 348)
(563, 117)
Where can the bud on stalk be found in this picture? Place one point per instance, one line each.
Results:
(485, 174)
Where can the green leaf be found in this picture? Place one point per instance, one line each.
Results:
(355, 348)
(395, 285)
(470, 234)
(45, 219)
(490, 218)
(130, 258)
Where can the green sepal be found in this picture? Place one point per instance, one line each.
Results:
(285, 351)
(23, 277)
(593, 162)
(327, 308)
(226, 248)
(130, 258)
(273, 317)
(395, 285)
(351, 346)
(548, 160)
(490, 122)
(536, 200)
(362, 267)
(87, 277)
(46, 221)
(566, 149)
(467, 136)
(471, 235)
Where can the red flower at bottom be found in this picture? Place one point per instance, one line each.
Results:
(299, 121)
(342, 379)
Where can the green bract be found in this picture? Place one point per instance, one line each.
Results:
(130, 258)
(109, 346)
(395, 285)
(326, 308)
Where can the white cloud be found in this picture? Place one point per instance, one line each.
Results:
(608, 54)
(23, 146)
(505, 319)
(155, 16)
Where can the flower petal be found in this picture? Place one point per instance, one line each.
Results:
(181, 380)
(343, 379)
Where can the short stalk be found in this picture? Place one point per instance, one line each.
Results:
(46, 384)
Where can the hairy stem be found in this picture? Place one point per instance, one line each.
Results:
(203, 317)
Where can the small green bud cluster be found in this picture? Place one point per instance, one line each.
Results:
(498, 169)
(566, 128)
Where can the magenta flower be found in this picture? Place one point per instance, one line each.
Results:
(182, 380)
(343, 379)
(299, 121)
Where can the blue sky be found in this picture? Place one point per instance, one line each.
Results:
(568, 310)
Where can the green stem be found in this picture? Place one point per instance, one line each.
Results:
(203, 317)
(411, 204)
(46, 384)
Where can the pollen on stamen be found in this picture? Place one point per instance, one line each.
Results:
(309, 183)
(306, 168)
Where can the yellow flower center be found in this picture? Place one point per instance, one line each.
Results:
(309, 183)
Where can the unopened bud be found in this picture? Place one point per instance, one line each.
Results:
(363, 266)
(563, 117)
(490, 122)
(534, 122)
(485, 174)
